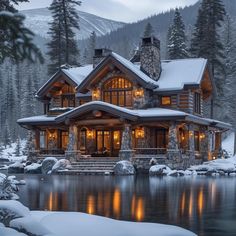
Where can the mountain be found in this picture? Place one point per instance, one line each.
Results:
(124, 40)
(37, 20)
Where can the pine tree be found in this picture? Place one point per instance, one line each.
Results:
(206, 41)
(16, 41)
(62, 47)
(92, 46)
(18, 147)
(6, 135)
(177, 48)
(148, 31)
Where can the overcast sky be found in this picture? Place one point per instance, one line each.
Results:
(121, 10)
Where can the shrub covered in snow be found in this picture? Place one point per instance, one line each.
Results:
(34, 168)
(62, 164)
(8, 187)
(4, 231)
(47, 164)
(10, 209)
(124, 168)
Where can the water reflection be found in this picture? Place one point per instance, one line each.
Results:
(200, 204)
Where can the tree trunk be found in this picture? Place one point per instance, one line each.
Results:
(234, 142)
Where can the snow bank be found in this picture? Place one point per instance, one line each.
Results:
(222, 166)
(124, 168)
(16, 168)
(73, 223)
(29, 225)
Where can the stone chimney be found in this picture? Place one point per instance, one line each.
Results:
(99, 55)
(150, 57)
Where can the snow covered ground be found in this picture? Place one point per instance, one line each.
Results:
(72, 223)
(228, 144)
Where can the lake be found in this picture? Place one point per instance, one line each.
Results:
(204, 205)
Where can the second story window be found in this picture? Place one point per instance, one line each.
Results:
(118, 91)
(197, 103)
(166, 101)
(68, 100)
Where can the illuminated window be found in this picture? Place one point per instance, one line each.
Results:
(118, 91)
(197, 141)
(166, 100)
(64, 139)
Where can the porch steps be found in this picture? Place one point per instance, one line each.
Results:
(92, 166)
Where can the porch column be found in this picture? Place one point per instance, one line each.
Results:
(204, 146)
(173, 152)
(191, 142)
(126, 152)
(73, 152)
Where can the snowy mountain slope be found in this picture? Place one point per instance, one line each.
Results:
(37, 20)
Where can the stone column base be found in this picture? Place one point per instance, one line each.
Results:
(174, 155)
(72, 156)
(127, 155)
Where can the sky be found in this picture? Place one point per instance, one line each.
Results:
(120, 10)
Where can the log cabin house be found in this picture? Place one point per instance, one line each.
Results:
(130, 109)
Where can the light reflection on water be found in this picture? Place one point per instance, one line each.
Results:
(206, 206)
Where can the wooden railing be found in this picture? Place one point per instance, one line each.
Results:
(150, 151)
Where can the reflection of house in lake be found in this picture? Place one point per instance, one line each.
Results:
(135, 109)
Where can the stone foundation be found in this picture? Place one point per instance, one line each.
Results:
(127, 155)
(72, 156)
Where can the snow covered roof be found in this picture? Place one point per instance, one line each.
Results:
(75, 74)
(43, 119)
(134, 69)
(142, 114)
(78, 74)
(178, 73)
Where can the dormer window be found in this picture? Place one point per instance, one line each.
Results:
(118, 91)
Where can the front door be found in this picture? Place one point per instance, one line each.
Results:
(108, 142)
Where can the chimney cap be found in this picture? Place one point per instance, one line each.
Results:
(152, 40)
(101, 52)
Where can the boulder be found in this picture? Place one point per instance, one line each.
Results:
(62, 164)
(16, 168)
(124, 168)
(159, 170)
(34, 168)
(47, 165)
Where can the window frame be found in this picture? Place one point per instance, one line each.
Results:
(115, 92)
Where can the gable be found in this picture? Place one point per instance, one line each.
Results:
(114, 65)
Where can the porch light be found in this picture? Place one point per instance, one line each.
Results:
(139, 132)
(96, 94)
(139, 92)
(202, 136)
(90, 134)
(191, 133)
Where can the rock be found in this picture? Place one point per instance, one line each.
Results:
(159, 170)
(34, 168)
(176, 173)
(2, 159)
(210, 173)
(124, 168)
(153, 162)
(16, 168)
(62, 164)
(47, 164)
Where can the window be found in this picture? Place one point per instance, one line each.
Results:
(197, 103)
(165, 101)
(64, 139)
(161, 138)
(42, 139)
(118, 91)
(68, 100)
